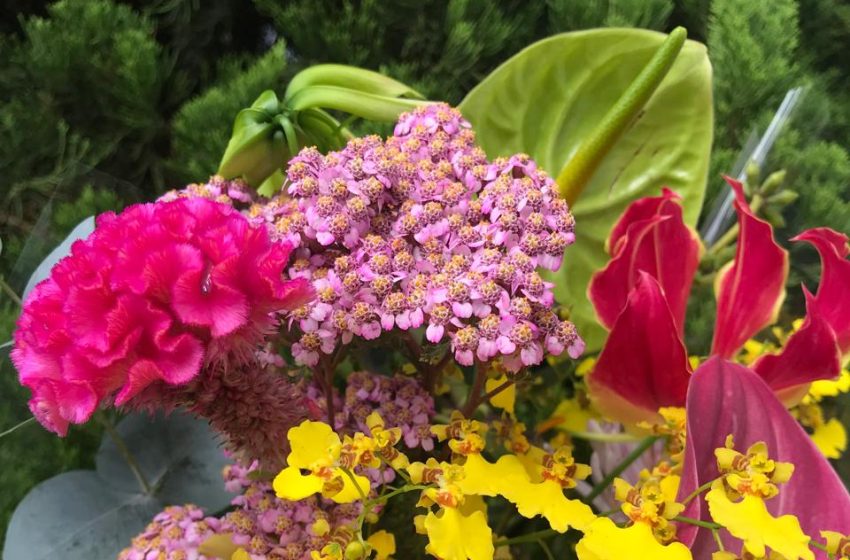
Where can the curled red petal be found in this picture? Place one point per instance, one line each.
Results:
(726, 398)
(810, 354)
(644, 364)
(831, 300)
(652, 237)
(751, 288)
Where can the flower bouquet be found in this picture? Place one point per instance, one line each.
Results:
(407, 346)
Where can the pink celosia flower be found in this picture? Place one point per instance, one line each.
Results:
(152, 295)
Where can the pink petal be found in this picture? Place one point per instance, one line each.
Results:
(644, 364)
(651, 236)
(726, 398)
(831, 298)
(205, 302)
(750, 289)
(810, 354)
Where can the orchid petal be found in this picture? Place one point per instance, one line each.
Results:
(651, 236)
(726, 398)
(831, 299)
(810, 354)
(751, 288)
(644, 364)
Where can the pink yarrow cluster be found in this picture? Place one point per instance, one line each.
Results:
(421, 230)
(144, 302)
(260, 523)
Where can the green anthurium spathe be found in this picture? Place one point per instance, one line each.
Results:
(548, 99)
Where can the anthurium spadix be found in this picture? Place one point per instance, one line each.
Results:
(642, 293)
(726, 399)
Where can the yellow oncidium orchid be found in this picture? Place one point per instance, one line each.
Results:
(736, 501)
(837, 545)
(649, 506)
(317, 450)
(505, 399)
(672, 427)
(383, 544)
(652, 502)
(385, 441)
(828, 388)
(726, 555)
(541, 493)
(571, 415)
(465, 436)
(829, 436)
(458, 530)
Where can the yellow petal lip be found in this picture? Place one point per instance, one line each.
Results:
(383, 543)
(313, 444)
(454, 536)
(506, 399)
(749, 521)
(290, 484)
(831, 439)
(350, 492)
(605, 541)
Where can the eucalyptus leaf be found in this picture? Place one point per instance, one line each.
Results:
(548, 98)
(178, 454)
(84, 515)
(42, 272)
(74, 517)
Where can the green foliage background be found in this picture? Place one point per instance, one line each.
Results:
(106, 103)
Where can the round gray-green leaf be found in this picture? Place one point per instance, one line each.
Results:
(74, 517)
(81, 231)
(548, 98)
(178, 455)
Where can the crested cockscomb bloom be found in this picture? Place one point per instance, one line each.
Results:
(154, 294)
(421, 230)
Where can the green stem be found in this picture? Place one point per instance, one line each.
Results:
(127, 455)
(697, 522)
(16, 426)
(732, 233)
(10, 292)
(618, 470)
(697, 492)
(620, 437)
(718, 540)
(546, 551)
(529, 538)
(577, 172)
(473, 399)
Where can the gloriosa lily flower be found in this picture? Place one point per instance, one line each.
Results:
(642, 293)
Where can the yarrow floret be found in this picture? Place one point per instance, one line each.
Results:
(152, 295)
(421, 230)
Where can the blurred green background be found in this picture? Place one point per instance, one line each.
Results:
(105, 103)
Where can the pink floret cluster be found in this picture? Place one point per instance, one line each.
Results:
(260, 523)
(422, 230)
(155, 293)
